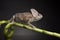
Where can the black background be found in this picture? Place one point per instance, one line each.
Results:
(50, 21)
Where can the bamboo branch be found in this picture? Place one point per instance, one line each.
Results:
(8, 34)
(30, 28)
(38, 30)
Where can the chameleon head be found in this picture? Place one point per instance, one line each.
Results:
(36, 14)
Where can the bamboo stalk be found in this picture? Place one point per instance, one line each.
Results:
(27, 27)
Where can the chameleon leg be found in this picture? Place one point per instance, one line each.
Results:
(12, 19)
(31, 25)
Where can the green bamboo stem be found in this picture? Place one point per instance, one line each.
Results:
(28, 27)
(38, 30)
(3, 21)
(8, 35)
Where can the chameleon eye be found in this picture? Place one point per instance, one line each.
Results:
(38, 14)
